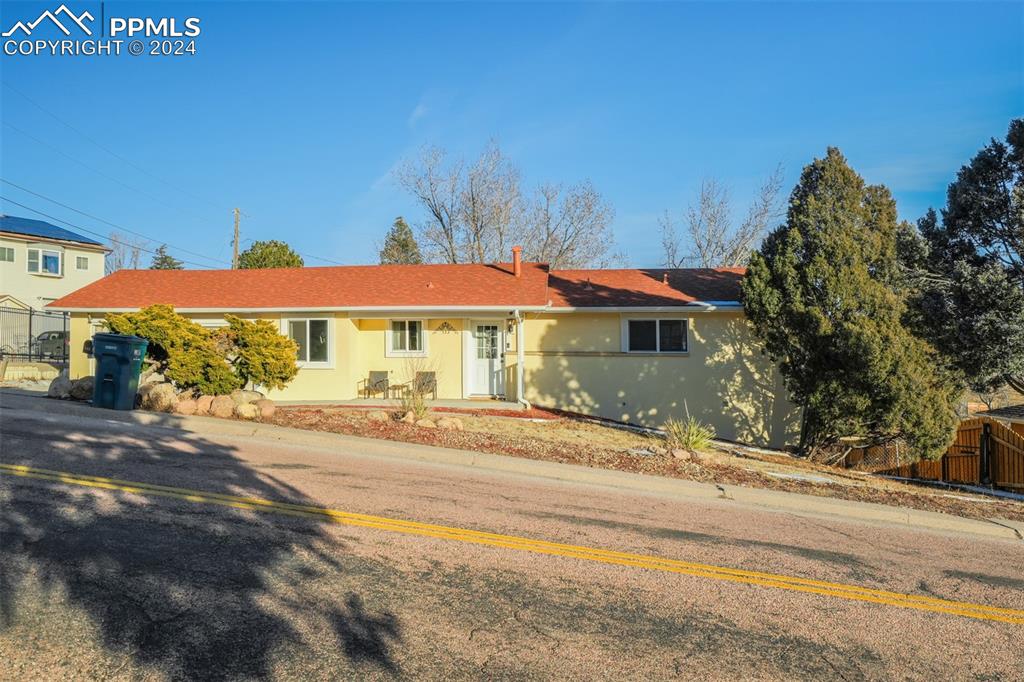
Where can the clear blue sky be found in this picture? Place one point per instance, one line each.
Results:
(297, 112)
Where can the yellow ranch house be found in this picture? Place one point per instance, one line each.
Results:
(630, 345)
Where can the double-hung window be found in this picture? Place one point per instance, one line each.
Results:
(82, 262)
(405, 338)
(655, 336)
(312, 336)
(6, 254)
(44, 261)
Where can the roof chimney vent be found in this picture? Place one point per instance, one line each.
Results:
(517, 261)
(664, 278)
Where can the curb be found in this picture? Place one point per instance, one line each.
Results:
(21, 406)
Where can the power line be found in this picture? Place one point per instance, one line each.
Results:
(97, 171)
(107, 222)
(87, 230)
(104, 147)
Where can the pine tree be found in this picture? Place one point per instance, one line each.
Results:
(827, 296)
(165, 261)
(971, 264)
(400, 247)
(269, 254)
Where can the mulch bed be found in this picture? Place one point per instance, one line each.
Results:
(722, 469)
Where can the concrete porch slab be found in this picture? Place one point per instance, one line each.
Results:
(482, 404)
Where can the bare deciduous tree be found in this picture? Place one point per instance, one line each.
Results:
(125, 253)
(476, 212)
(711, 238)
(569, 228)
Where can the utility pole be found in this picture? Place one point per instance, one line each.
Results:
(234, 257)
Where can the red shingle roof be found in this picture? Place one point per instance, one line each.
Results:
(413, 286)
(327, 287)
(646, 287)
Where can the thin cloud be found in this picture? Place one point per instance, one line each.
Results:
(418, 112)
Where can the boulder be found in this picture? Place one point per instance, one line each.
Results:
(152, 378)
(377, 416)
(222, 406)
(81, 389)
(243, 397)
(266, 407)
(157, 397)
(203, 404)
(680, 453)
(409, 417)
(187, 406)
(658, 450)
(60, 388)
(450, 424)
(426, 424)
(247, 411)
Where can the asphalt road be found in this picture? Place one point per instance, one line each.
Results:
(97, 581)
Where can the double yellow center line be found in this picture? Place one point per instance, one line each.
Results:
(735, 575)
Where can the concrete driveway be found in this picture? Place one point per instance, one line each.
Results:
(173, 571)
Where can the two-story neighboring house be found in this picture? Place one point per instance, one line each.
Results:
(40, 262)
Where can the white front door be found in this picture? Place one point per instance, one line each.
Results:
(487, 370)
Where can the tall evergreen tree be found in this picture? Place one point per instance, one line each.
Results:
(400, 247)
(269, 254)
(971, 267)
(826, 295)
(165, 261)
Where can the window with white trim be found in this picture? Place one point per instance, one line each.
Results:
(6, 254)
(405, 338)
(82, 262)
(44, 262)
(313, 337)
(656, 336)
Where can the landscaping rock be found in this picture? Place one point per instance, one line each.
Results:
(266, 407)
(243, 397)
(377, 416)
(409, 417)
(222, 406)
(426, 424)
(658, 450)
(450, 423)
(157, 397)
(152, 378)
(641, 452)
(247, 411)
(680, 453)
(81, 389)
(60, 388)
(203, 404)
(187, 406)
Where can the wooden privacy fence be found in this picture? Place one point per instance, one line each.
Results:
(984, 452)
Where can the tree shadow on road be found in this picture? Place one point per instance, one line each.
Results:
(192, 590)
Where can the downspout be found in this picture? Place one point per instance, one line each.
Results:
(520, 359)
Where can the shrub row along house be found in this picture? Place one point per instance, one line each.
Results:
(631, 345)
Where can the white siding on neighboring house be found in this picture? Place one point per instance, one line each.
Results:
(37, 271)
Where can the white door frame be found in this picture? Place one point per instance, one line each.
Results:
(469, 353)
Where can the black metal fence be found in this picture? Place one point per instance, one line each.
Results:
(34, 335)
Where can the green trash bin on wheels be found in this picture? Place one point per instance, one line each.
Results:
(118, 363)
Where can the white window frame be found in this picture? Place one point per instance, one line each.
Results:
(40, 251)
(388, 346)
(316, 364)
(7, 248)
(78, 262)
(657, 335)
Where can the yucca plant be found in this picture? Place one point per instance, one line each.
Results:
(688, 434)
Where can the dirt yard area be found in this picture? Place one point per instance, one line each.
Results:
(546, 436)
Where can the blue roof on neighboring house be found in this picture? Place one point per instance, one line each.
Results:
(41, 228)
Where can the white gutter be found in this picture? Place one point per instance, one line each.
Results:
(520, 359)
(314, 309)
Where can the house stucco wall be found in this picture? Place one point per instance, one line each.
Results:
(573, 361)
(576, 362)
(36, 290)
